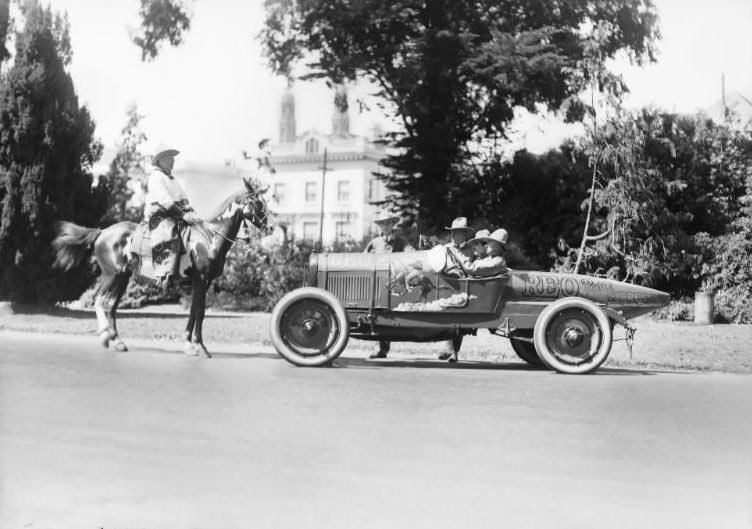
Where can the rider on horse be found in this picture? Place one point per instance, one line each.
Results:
(167, 212)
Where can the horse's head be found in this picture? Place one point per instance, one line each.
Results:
(254, 208)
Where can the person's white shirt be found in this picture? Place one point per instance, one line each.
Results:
(162, 191)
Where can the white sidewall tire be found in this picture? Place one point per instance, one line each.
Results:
(544, 320)
(284, 350)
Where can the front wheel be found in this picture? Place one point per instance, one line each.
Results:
(309, 327)
(573, 336)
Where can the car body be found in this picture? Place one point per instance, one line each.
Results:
(415, 296)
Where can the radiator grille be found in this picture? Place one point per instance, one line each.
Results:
(355, 289)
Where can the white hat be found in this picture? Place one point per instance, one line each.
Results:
(163, 150)
(480, 235)
(499, 236)
(385, 216)
(460, 223)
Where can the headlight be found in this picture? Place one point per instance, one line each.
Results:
(312, 271)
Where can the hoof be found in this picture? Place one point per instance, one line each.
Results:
(119, 345)
(189, 350)
(452, 359)
(104, 338)
(445, 356)
(201, 349)
(377, 355)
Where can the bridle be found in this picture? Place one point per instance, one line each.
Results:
(254, 218)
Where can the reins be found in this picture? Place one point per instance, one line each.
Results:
(252, 220)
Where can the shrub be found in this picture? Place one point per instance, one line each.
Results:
(138, 294)
(678, 310)
(729, 275)
(255, 278)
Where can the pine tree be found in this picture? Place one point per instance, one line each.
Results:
(46, 150)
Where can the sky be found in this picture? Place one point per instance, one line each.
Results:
(214, 95)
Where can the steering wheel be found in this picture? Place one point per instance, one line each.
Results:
(456, 262)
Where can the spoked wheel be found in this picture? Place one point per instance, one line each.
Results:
(309, 327)
(573, 335)
(526, 351)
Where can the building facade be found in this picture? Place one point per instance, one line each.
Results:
(314, 169)
(348, 187)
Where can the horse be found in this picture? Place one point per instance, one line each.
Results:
(210, 242)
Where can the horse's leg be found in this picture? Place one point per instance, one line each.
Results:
(188, 347)
(100, 308)
(121, 284)
(200, 311)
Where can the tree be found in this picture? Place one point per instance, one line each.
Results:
(664, 184)
(161, 20)
(46, 149)
(126, 172)
(4, 26)
(451, 71)
(726, 269)
(455, 70)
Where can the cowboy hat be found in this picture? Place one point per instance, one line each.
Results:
(480, 235)
(163, 150)
(385, 216)
(460, 223)
(499, 236)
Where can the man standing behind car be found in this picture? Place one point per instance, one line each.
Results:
(387, 242)
(459, 232)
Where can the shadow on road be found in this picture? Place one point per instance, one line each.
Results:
(475, 365)
(419, 363)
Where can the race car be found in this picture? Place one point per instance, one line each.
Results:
(561, 321)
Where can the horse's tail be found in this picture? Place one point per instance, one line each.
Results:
(73, 243)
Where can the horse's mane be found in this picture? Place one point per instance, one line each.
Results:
(225, 205)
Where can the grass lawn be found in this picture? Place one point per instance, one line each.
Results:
(658, 344)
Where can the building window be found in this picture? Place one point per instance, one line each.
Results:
(342, 228)
(310, 191)
(279, 193)
(343, 191)
(312, 146)
(310, 231)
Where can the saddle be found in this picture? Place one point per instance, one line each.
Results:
(141, 250)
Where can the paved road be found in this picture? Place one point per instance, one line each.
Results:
(150, 439)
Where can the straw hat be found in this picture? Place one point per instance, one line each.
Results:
(163, 150)
(460, 223)
(385, 216)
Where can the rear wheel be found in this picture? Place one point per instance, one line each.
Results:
(309, 327)
(525, 349)
(573, 336)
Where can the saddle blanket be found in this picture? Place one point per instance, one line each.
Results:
(141, 256)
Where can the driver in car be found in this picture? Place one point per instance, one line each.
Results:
(459, 233)
(476, 246)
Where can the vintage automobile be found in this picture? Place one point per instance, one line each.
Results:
(561, 321)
